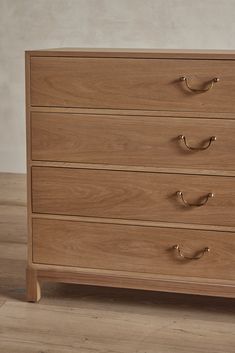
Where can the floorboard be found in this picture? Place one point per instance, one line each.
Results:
(63, 329)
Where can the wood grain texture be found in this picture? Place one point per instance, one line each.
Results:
(166, 170)
(12, 229)
(92, 122)
(133, 248)
(33, 285)
(133, 141)
(134, 112)
(59, 329)
(132, 280)
(211, 54)
(12, 189)
(28, 156)
(131, 195)
(136, 222)
(151, 84)
(68, 316)
(12, 208)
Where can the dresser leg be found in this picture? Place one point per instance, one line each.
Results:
(33, 286)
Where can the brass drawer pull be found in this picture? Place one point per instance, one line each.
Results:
(197, 256)
(187, 204)
(210, 84)
(183, 138)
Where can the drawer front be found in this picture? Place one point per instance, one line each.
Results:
(133, 195)
(152, 84)
(133, 248)
(133, 141)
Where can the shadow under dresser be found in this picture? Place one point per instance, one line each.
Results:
(131, 169)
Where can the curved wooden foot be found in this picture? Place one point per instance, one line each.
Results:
(33, 286)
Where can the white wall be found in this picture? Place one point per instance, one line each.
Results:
(34, 24)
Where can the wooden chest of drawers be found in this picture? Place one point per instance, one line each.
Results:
(131, 169)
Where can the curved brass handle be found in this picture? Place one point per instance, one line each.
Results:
(210, 84)
(187, 204)
(199, 254)
(183, 138)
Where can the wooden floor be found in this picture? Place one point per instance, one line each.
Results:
(83, 319)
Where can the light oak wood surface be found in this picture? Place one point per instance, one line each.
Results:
(152, 84)
(211, 54)
(68, 316)
(131, 195)
(12, 190)
(133, 248)
(134, 222)
(33, 286)
(134, 112)
(97, 126)
(132, 280)
(133, 141)
(165, 170)
(83, 330)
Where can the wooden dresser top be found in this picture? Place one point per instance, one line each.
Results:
(136, 53)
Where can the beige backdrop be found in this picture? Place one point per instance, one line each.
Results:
(33, 24)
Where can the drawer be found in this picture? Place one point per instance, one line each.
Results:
(133, 141)
(134, 195)
(133, 248)
(121, 83)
